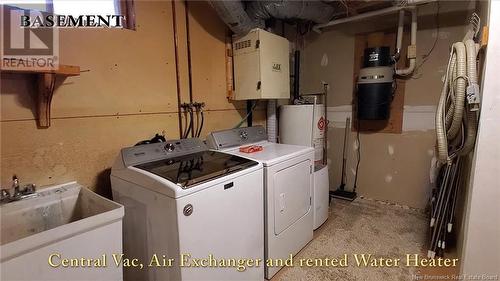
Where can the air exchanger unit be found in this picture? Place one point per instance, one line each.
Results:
(375, 86)
(261, 66)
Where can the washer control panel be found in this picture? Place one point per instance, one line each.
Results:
(145, 153)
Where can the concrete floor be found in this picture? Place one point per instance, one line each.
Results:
(362, 227)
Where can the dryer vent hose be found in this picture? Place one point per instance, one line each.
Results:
(456, 119)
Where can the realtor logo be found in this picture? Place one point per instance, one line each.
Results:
(27, 48)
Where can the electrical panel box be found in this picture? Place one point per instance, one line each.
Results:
(261, 66)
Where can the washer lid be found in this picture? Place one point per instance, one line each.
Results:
(189, 170)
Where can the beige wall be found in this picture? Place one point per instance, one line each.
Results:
(394, 167)
(126, 94)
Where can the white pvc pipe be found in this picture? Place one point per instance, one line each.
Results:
(419, 2)
(381, 12)
(399, 39)
(413, 40)
(414, 26)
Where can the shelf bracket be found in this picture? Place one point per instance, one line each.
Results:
(46, 86)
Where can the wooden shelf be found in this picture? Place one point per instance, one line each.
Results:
(63, 70)
(46, 85)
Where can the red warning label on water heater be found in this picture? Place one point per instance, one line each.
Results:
(321, 123)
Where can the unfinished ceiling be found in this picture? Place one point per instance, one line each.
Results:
(347, 8)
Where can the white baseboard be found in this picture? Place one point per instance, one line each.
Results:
(415, 118)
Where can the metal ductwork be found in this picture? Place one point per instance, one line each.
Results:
(315, 11)
(241, 17)
(234, 15)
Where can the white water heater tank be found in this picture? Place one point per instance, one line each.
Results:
(303, 124)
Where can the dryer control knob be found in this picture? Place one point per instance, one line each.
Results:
(169, 147)
(243, 135)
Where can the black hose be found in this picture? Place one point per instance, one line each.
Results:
(249, 111)
(195, 131)
(201, 126)
(190, 113)
(245, 118)
(186, 124)
(296, 75)
(191, 117)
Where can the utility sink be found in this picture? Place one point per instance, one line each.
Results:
(64, 221)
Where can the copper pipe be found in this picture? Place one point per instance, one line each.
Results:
(176, 52)
(188, 42)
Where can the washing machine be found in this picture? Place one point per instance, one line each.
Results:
(288, 179)
(185, 202)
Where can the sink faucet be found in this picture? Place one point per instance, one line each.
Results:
(19, 194)
(15, 186)
(5, 196)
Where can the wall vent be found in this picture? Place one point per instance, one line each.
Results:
(242, 44)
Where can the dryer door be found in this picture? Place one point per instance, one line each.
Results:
(292, 194)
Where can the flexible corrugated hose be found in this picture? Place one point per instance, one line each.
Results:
(461, 74)
(472, 122)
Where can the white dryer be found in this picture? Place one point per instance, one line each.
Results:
(305, 124)
(182, 199)
(288, 179)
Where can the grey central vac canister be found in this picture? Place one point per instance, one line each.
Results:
(375, 85)
(375, 91)
(378, 56)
